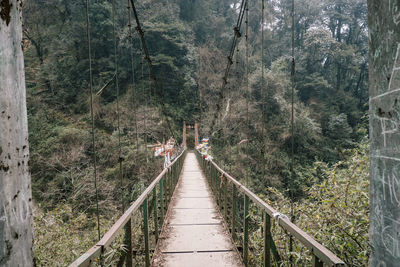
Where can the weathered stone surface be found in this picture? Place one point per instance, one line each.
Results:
(384, 71)
(16, 241)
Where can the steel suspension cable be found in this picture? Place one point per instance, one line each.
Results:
(237, 74)
(149, 99)
(247, 92)
(229, 64)
(263, 94)
(159, 92)
(229, 117)
(134, 92)
(151, 96)
(292, 131)
(199, 90)
(118, 109)
(152, 76)
(225, 141)
(145, 105)
(92, 117)
(164, 135)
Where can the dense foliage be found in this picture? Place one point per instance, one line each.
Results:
(335, 210)
(188, 42)
(330, 91)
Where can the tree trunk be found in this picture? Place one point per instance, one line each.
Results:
(338, 76)
(16, 241)
(339, 24)
(384, 67)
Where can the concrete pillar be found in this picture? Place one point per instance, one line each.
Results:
(16, 240)
(184, 133)
(196, 134)
(384, 71)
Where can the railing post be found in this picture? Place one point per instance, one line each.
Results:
(216, 184)
(211, 177)
(225, 198)
(161, 201)
(101, 258)
(128, 243)
(155, 206)
(246, 231)
(214, 175)
(267, 240)
(233, 211)
(146, 232)
(219, 189)
(171, 184)
(167, 187)
(174, 174)
(179, 170)
(316, 262)
(209, 171)
(171, 177)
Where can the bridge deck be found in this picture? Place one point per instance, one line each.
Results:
(194, 235)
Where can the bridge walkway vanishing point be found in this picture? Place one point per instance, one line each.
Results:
(194, 233)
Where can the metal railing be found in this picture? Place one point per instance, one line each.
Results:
(227, 193)
(153, 202)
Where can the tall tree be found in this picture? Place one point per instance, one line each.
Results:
(16, 241)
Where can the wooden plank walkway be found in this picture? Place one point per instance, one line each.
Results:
(194, 235)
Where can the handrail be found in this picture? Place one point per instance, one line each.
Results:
(320, 253)
(98, 249)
